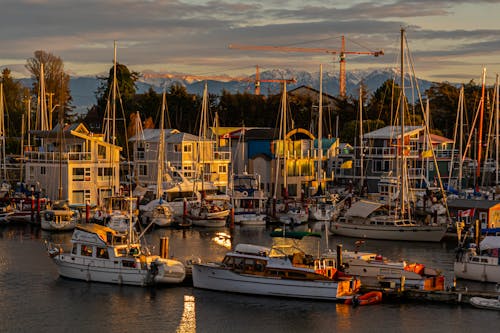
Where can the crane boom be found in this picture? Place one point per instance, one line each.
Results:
(342, 53)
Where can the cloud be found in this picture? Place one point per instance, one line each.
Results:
(193, 35)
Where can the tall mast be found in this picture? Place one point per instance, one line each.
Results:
(361, 153)
(113, 97)
(461, 139)
(161, 149)
(320, 126)
(402, 120)
(480, 139)
(497, 114)
(2, 131)
(285, 144)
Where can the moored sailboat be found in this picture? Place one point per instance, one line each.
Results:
(395, 220)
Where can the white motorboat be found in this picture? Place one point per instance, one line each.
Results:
(367, 219)
(101, 254)
(485, 303)
(374, 270)
(283, 270)
(248, 199)
(481, 264)
(60, 217)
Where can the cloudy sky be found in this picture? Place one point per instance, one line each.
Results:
(448, 39)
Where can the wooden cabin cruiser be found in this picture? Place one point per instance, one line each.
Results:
(368, 219)
(59, 217)
(375, 271)
(479, 264)
(101, 254)
(283, 270)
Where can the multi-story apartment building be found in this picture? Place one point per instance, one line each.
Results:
(73, 164)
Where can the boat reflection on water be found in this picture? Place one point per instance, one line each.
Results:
(222, 239)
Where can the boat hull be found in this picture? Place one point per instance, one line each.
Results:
(477, 271)
(485, 303)
(417, 233)
(112, 271)
(214, 277)
(250, 219)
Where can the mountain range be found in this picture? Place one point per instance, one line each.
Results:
(83, 88)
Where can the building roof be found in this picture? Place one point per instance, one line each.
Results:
(326, 143)
(436, 139)
(392, 132)
(182, 137)
(310, 90)
(468, 203)
(152, 134)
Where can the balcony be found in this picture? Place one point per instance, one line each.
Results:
(53, 157)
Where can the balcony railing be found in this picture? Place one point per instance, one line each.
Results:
(52, 157)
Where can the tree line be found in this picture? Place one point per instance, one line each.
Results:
(231, 109)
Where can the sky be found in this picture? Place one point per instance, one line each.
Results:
(448, 40)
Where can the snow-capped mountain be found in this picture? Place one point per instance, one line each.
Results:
(83, 88)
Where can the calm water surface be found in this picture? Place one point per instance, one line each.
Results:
(33, 298)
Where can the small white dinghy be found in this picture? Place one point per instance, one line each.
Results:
(485, 303)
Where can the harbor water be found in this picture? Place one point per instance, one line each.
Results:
(33, 298)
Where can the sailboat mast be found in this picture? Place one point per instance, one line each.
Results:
(497, 114)
(161, 149)
(361, 153)
(402, 121)
(461, 151)
(480, 139)
(320, 126)
(2, 131)
(113, 97)
(285, 144)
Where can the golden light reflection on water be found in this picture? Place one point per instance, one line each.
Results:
(188, 320)
(222, 239)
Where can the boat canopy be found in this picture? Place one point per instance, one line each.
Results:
(294, 234)
(490, 242)
(98, 229)
(363, 208)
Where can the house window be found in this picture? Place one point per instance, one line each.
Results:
(101, 151)
(187, 148)
(177, 148)
(143, 170)
(223, 168)
(78, 174)
(81, 196)
(43, 170)
(140, 154)
(104, 173)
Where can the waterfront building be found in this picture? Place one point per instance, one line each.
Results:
(188, 154)
(74, 164)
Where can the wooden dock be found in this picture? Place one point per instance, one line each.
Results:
(460, 296)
